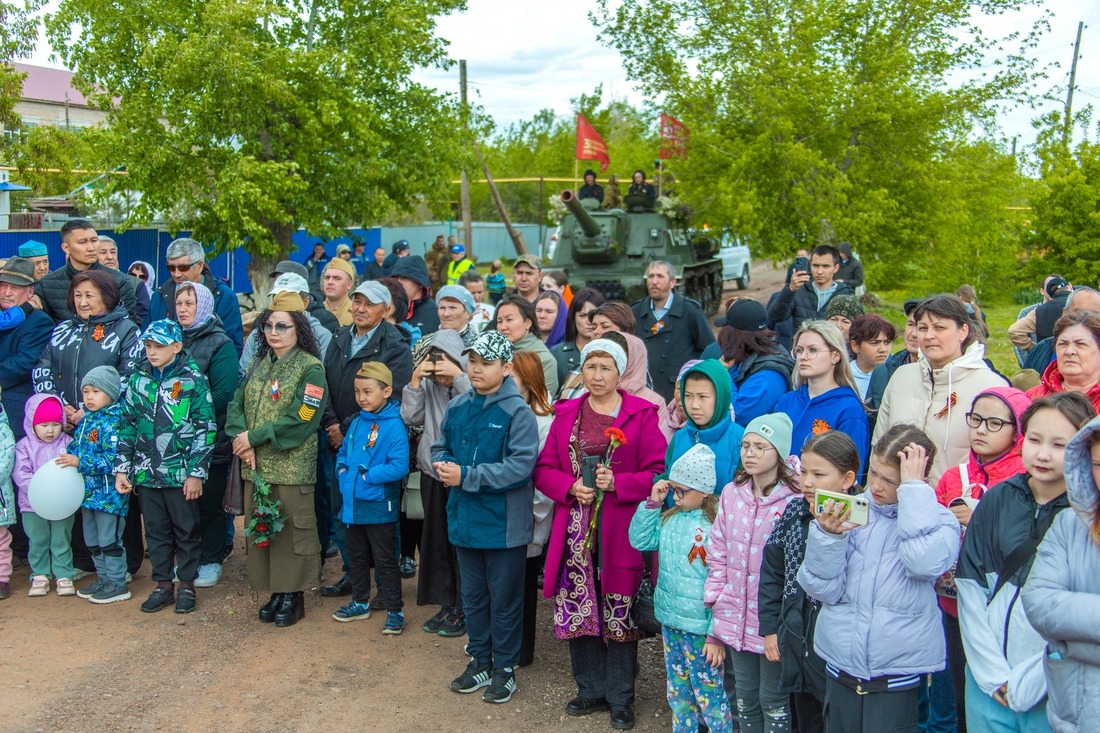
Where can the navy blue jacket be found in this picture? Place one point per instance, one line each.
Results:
(370, 474)
(19, 351)
(495, 439)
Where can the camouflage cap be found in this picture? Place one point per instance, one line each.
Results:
(532, 261)
(491, 346)
(163, 332)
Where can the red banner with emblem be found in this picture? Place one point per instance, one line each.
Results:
(674, 137)
(590, 146)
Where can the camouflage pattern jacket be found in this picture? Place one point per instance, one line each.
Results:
(167, 429)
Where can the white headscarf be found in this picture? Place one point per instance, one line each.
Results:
(150, 284)
(608, 347)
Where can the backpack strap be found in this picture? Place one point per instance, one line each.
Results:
(964, 475)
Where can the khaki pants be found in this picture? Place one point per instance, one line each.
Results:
(292, 562)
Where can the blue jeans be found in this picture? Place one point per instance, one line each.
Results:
(937, 704)
(986, 715)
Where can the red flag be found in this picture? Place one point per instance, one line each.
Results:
(674, 137)
(590, 146)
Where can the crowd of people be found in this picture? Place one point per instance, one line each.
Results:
(825, 535)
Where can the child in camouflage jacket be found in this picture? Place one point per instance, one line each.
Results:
(165, 442)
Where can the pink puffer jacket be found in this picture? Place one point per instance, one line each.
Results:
(734, 554)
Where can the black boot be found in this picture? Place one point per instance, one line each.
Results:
(267, 611)
(292, 610)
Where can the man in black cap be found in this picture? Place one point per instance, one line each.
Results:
(20, 346)
(590, 189)
(1038, 324)
(400, 249)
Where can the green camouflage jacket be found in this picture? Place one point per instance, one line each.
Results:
(167, 429)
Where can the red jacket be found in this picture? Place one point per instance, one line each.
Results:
(1053, 383)
(982, 477)
(635, 464)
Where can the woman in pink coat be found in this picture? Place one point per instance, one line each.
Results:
(592, 572)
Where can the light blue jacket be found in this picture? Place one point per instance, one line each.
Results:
(880, 615)
(1062, 598)
(678, 597)
(7, 463)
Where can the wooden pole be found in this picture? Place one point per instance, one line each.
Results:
(517, 237)
(467, 219)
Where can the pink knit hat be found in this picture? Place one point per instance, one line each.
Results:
(49, 411)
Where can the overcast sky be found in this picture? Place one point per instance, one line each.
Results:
(524, 55)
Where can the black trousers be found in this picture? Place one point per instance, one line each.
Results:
(604, 670)
(492, 594)
(530, 609)
(956, 663)
(438, 581)
(172, 531)
(374, 543)
(847, 711)
(411, 530)
(807, 713)
(132, 538)
(212, 517)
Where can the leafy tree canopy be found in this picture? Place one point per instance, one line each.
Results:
(245, 119)
(18, 34)
(836, 120)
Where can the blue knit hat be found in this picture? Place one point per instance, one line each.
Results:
(32, 248)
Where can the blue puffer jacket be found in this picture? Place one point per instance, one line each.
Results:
(95, 443)
(682, 565)
(370, 471)
(880, 615)
(495, 439)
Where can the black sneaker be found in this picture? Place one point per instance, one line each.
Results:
(474, 678)
(432, 625)
(453, 625)
(185, 600)
(227, 551)
(158, 599)
(502, 686)
(110, 594)
(407, 567)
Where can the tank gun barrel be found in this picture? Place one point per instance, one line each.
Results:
(587, 223)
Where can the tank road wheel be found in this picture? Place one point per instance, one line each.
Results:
(716, 293)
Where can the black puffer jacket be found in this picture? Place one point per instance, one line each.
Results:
(53, 291)
(386, 345)
(801, 305)
(77, 346)
(422, 312)
(212, 351)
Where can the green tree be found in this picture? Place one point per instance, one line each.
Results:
(826, 120)
(1065, 226)
(18, 34)
(244, 120)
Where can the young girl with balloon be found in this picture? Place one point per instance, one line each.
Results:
(48, 532)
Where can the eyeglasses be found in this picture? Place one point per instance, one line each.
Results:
(182, 268)
(279, 328)
(992, 424)
(679, 493)
(811, 352)
(752, 450)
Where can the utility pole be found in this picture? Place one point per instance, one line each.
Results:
(467, 224)
(1072, 82)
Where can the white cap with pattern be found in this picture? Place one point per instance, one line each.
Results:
(695, 469)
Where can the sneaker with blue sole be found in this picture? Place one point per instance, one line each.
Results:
(395, 623)
(476, 676)
(354, 611)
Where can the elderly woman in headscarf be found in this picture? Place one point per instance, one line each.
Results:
(206, 340)
(146, 273)
(601, 456)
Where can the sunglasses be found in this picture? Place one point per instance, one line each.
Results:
(279, 328)
(182, 268)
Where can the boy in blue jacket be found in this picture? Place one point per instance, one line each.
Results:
(486, 453)
(370, 465)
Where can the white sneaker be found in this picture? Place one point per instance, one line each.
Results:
(209, 575)
(65, 587)
(40, 586)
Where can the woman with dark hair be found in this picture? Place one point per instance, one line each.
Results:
(273, 421)
(759, 367)
(578, 332)
(99, 333)
(613, 315)
(1076, 367)
(550, 315)
(396, 313)
(933, 394)
(515, 318)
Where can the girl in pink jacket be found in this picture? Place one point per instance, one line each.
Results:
(749, 508)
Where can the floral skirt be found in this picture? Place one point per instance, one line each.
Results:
(579, 608)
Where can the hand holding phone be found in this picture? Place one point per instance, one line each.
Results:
(838, 513)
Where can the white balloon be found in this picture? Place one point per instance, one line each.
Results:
(55, 492)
